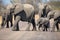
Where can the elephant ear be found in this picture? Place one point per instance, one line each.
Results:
(18, 8)
(28, 9)
(48, 9)
(41, 6)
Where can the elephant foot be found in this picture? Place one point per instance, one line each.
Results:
(34, 29)
(43, 29)
(14, 30)
(58, 30)
(7, 27)
(46, 30)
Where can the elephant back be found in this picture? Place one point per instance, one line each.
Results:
(51, 14)
(18, 8)
(29, 9)
(43, 20)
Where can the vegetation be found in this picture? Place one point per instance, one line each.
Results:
(55, 4)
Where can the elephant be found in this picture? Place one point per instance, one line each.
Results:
(7, 16)
(4, 17)
(46, 9)
(44, 23)
(43, 20)
(55, 14)
(49, 13)
(23, 12)
(10, 14)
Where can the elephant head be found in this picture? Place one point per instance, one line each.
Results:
(11, 8)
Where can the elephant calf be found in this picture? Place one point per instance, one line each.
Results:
(43, 22)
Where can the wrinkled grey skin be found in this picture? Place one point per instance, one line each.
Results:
(10, 16)
(23, 14)
(49, 13)
(43, 20)
(55, 14)
(4, 18)
(44, 23)
(7, 16)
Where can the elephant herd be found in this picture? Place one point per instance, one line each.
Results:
(27, 12)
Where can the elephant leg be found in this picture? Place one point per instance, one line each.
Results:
(7, 21)
(34, 26)
(11, 22)
(57, 26)
(2, 25)
(40, 25)
(7, 24)
(52, 25)
(15, 25)
(45, 28)
(48, 26)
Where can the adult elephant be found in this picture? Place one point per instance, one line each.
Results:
(10, 8)
(7, 14)
(4, 17)
(47, 8)
(23, 12)
(55, 14)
